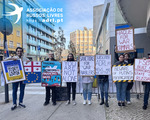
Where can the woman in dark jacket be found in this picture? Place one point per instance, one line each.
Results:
(121, 86)
(69, 84)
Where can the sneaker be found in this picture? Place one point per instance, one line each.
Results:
(119, 104)
(89, 102)
(144, 107)
(46, 103)
(74, 102)
(22, 105)
(128, 102)
(14, 107)
(68, 102)
(84, 102)
(123, 104)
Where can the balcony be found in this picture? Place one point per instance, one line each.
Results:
(32, 42)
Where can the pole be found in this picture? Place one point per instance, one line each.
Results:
(5, 42)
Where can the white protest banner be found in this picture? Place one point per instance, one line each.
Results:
(87, 66)
(125, 40)
(122, 73)
(103, 64)
(69, 71)
(142, 70)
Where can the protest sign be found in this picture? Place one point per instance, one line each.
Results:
(13, 71)
(51, 73)
(32, 71)
(122, 73)
(125, 40)
(69, 71)
(103, 64)
(142, 70)
(87, 66)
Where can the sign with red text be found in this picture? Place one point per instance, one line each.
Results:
(87, 67)
(125, 40)
(142, 70)
(103, 64)
(69, 71)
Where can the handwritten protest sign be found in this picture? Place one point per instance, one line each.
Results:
(122, 73)
(69, 71)
(87, 66)
(13, 71)
(125, 40)
(51, 73)
(103, 64)
(142, 70)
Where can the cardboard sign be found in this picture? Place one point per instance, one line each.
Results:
(103, 64)
(69, 71)
(32, 71)
(122, 73)
(87, 66)
(142, 70)
(51, 73)
(125, 40)
(13, 71)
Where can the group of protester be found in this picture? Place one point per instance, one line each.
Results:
(123, 88)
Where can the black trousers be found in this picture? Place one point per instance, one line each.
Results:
(48, 94)
(69, 84)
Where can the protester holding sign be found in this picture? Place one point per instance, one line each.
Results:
(130, 84)
(146, 91)
(103, 83)
(51, 58)
(87, 89)
(69, 84)
(121, 86)
(19, 55)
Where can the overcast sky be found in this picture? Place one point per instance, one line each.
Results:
(77, 13)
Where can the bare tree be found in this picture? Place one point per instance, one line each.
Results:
(72, 48)
(60, 44)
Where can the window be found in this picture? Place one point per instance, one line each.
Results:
(18, 33)
(18, 45)
(10, 44)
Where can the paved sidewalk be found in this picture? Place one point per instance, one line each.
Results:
(36, 111)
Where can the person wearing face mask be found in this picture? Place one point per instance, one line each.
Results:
(130, 84)
(71, 84)
(121, 86)
(19, 55)
(47, 88)
(146, 91)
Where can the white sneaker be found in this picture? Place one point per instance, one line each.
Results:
(89, 102)
(84, 102)
(128, 102)
(74, 102)
(68, 102)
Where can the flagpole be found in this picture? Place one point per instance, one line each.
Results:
(5, 42)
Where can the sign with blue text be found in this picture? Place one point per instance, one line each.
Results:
(103, 64)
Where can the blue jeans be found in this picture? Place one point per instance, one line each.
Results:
(104, 86)
(146, 93)
(15, 89)
(87, 89)
(121, 90)
(127, 95)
